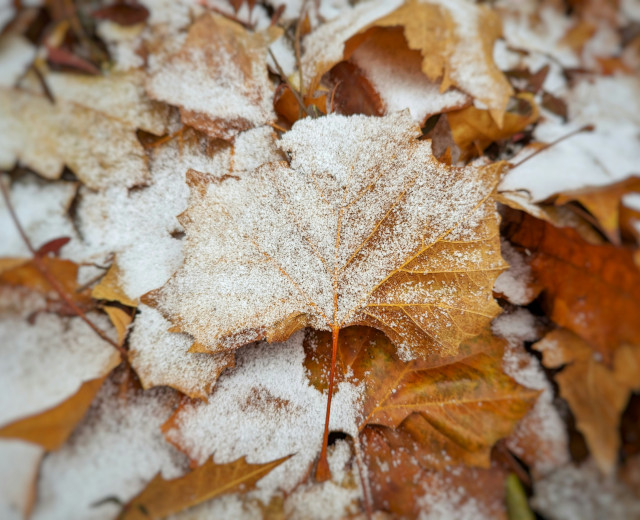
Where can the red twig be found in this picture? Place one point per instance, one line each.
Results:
(55, 284)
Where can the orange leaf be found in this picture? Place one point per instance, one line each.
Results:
(110, 288)
(162, 497)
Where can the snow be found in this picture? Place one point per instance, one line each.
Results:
(115, 451)
(16, 54)
(45, 363)
(281, 414)
(515, 283)
(19, 464)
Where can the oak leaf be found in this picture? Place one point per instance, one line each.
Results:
(454, 407)
(218, 77)
(363, 226)
(162, 497)
(592, 290)
(596, 394)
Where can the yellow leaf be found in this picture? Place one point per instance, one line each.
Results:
(162, 497)
(121, 321)
(109, 288)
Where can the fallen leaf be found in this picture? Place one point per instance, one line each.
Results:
(454, 407)
(516, 498)
(120, 319)
(218, 78)
(596, 394)
(603, 202)
(389, 238)
(110, 288)
(122, 13)
(444, 32)
(51, 428)
(592, 290)
(473, 130)
(164, 497)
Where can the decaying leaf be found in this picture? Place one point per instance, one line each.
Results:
(121, 321)
(453, 407)
(110, 288)
(363, 226)
(592, 290)
(163, 497)
(455, 39)
(51, 428)
(604, 203)
(218, 78)
(596, 394)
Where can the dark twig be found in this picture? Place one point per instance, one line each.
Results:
(53, 282)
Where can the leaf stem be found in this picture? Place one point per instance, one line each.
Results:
(323, 472)
(53, 282)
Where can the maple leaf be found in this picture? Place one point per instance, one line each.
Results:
(164, 497)
(454, 407)
(596, 394)
(443, 32)
(589, 289)
(218, 77)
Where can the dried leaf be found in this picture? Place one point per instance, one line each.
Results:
(51, 428)
(444, 32)
(473, 130)
(165, 497)
(121, 321)
(596, 394)
(363, 227)
(592, 290)
(218, 78)
(123, 13)
(604, 203)
(110, 289)
(454, 407)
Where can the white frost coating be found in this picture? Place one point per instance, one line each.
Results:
(123, 44)
(137, 225)
(401, 83)
(19, 463)
(632, 201)
(609, 154)
(16, 54)
(443, 501)
(269, 394)
(583, 492)
(115, 451)
(542, 431)
(514, 282)
(335, 498)
(325, 45)
(45, 363)
(161, 358)
(265, 244)
(41, 208)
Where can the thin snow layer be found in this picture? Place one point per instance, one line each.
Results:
(583, 492)
(137, 225)
(515, 282)
(160, 357)
(114, 452)
(265, 244)
(540, 438)
(324, 47)
(123, 44)
(16, 54)
(335, 498)
(42, 211)
(45, 363)
(607, 155)
(401, 84)
(266, 409)
(19, 463)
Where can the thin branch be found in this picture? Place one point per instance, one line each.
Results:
(53, 282)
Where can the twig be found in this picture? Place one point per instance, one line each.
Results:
(586, 128)
(53, 282)
(295, 93)
(296, 43)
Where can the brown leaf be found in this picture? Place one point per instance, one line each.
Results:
(162, 497)
(218, 78)
(123, 13)
(445, 35)
(592, 290)
(51, 428)
(473, 130)
(604, 203)
(389, 238)
(596, 394)
(455, 407)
